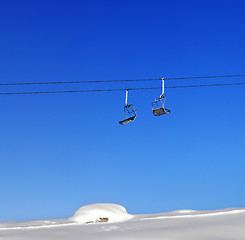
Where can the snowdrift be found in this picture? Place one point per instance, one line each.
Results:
(100, 212)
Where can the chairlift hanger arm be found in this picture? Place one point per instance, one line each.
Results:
(162, 88)
(126, 100)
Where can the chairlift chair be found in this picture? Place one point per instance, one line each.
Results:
(129, 111)
(158, 105)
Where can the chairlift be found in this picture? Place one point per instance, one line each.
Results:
(129, 111)
(158, 105)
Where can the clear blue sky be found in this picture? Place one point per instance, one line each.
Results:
(59, 152)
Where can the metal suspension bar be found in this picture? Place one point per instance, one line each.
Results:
(126, 100)
(162, 87)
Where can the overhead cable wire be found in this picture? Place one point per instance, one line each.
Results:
(200, 77)
(121, 89)
(122, 80)
(72, 82)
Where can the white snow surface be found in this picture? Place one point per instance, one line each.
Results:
(225, 224)
(94, 212)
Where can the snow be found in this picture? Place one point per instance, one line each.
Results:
(96, 212)
(184, 224)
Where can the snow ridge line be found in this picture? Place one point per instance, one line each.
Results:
(195, 215)
(40, 226)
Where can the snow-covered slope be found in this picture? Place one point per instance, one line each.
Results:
(224, 224)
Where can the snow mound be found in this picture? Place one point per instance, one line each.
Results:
(185, 211)
(101, 212)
